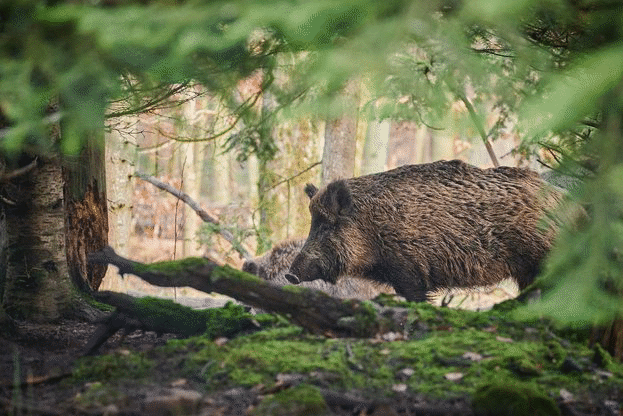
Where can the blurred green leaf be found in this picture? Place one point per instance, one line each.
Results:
(586, 265)
(574, 93)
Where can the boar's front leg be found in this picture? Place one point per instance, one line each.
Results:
(412, 288)
(413, 294)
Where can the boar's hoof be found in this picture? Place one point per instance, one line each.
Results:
(293, 279)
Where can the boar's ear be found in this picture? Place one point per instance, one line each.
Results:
(340, 198)
(311, 190)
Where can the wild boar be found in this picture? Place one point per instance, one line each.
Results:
(421, 228)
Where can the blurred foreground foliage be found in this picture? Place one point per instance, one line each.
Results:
(552, 71)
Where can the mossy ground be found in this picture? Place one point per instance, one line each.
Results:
(447, 353)
(298, 401)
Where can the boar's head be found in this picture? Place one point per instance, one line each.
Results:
(252, 267)
(334, 237)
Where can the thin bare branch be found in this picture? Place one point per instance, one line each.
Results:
(19, 172)
(480, 127)
(310, 167)
(152, 104)
(492, 51)
(204, 215)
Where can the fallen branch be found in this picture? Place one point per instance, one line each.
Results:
(165, 316)
(194, 205)
(315, 311)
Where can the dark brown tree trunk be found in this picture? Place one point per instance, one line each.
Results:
(86, 212)
(5, 321)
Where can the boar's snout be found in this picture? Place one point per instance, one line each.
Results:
(304, 268)
(293, 279)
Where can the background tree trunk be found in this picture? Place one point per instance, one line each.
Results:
(5, 321)
(375, 147)
(338, 156)
(192, 186)
(121, 153)
(265, 202)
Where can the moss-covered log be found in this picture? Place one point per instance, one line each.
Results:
(313, 310)
(165, 316)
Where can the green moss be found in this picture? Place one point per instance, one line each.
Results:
(299, 289)
(228, 272)
(174, 266)
(303, 400)
(251, 363)
(387, 299)
(507, 306)
(126, 365)
(506, 351)
(512, 400)
(162, 315)
(99, 395)
(89, 299)
(365, 318)
(602, 358)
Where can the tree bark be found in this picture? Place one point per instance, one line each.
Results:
(191, 185)
(34, 283)
(375, 147)
(311, 309)
(37, 284)
(55, 214)
(338, 156)
(165, 316)
(121, 151)
(86, 209)
(610, 336)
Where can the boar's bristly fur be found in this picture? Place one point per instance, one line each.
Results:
(274, 264)
(433, 226)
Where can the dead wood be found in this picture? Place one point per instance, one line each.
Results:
(315, 311)
(165, 316)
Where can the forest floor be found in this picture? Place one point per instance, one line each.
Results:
(448, 362)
